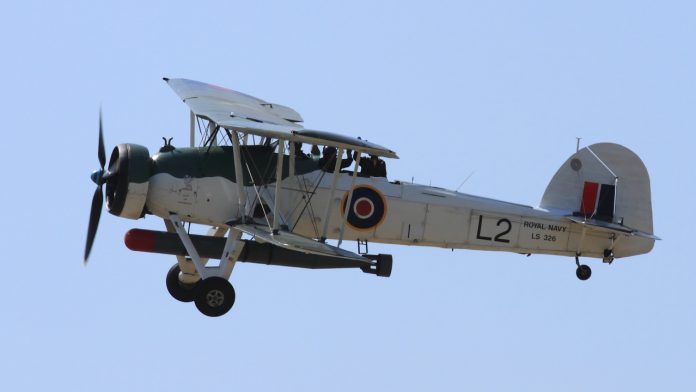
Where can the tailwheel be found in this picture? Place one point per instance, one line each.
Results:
(214, 296)
(583, 272)
(180, 291)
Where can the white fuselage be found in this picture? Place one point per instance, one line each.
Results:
(413, 214)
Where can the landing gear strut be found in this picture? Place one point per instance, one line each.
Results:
(583, 272)
(213, 294)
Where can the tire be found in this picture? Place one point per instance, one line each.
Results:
(583, 272)
(214, 296)
(179, 291)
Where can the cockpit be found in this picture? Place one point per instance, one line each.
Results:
(368, 165)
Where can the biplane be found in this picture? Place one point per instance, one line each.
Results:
(246, 176)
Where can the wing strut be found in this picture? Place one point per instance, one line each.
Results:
(279, 180)
(291, 160)
(192, 129)
(337, 169)
(239, 174)
(350, 197)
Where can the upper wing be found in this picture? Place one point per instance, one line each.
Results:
(338, 140)
(295, 242)
(235, 110)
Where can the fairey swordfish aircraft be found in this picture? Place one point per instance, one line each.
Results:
(267, 201)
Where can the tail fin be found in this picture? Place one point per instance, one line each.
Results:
(603, 182)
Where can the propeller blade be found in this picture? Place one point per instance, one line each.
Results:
(101, 152)
(94, 215)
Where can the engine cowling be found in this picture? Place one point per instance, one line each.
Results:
(127, 180)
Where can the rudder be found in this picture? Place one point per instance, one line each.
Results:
(606, 182)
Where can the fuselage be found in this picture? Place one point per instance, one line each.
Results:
(199, 185)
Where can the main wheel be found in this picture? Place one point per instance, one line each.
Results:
(583, 272)
(180, 291)
(214, 296)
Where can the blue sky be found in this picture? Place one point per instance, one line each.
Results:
(501, 89)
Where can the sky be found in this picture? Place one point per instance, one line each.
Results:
(501, 89)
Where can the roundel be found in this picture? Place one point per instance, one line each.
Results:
(366, 209)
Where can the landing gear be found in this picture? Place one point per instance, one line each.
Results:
(214, 296)
(583, 272)
(180, 291)
(608, 256)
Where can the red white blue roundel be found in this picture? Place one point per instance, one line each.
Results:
(367, 208)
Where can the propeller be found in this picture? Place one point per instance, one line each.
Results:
(98, 199)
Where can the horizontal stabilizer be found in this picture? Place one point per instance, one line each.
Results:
(610, 227)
